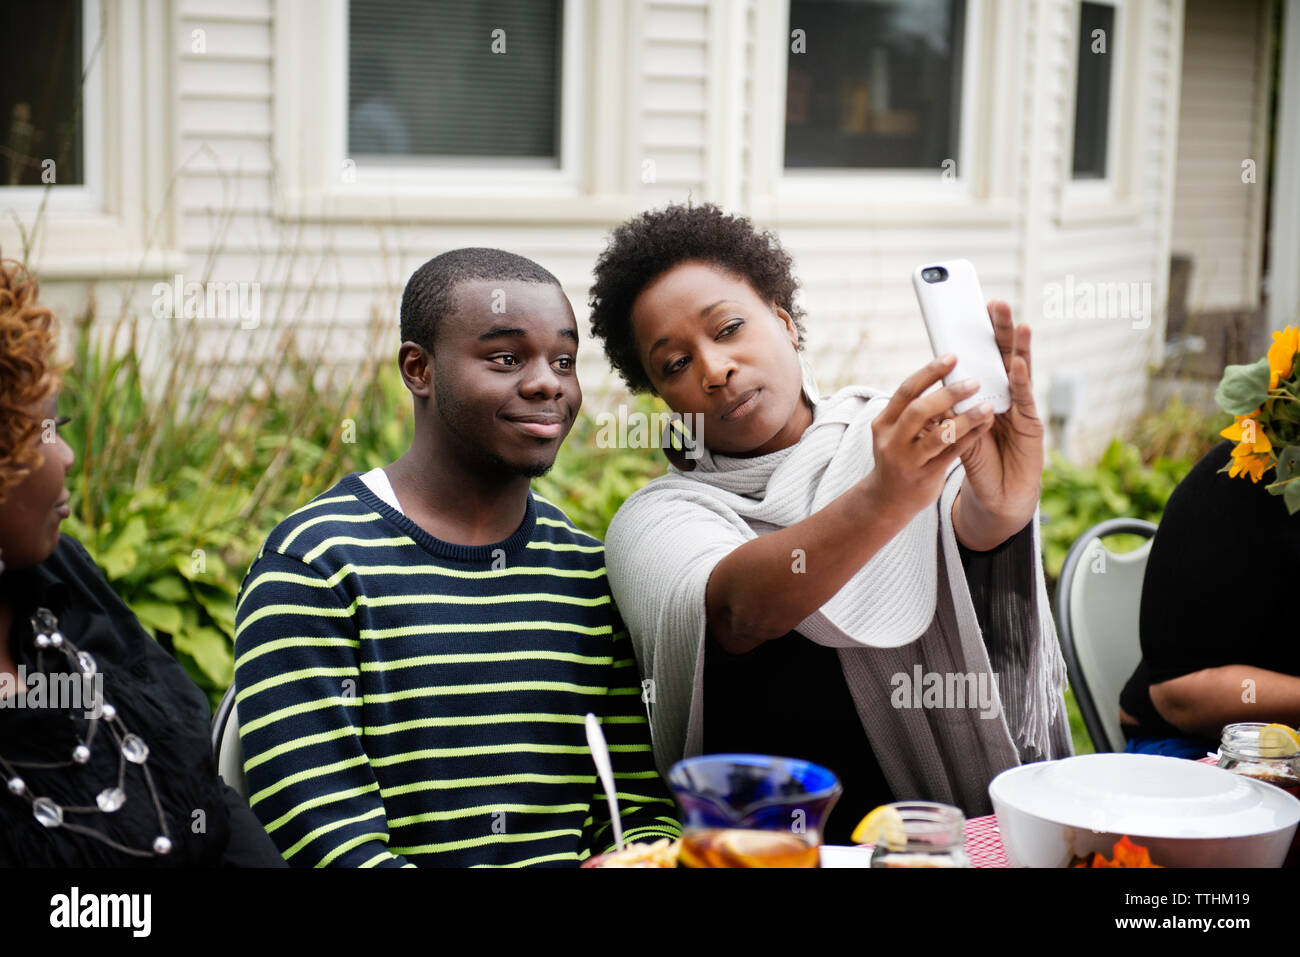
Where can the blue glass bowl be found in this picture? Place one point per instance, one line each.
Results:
(754, 791)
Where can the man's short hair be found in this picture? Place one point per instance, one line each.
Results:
(431, 291)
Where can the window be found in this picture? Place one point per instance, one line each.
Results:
(874, 84)
(92, 82)
(40, 94)
(442, 111)
(1092, 91)
(51, 107)
(1101, 149)
(443, 82)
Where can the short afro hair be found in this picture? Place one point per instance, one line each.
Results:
(647, 246)
(430, 293)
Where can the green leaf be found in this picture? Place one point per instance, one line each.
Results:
(1288, 463)
(1243, 388)
(169, 589)
(207, 566)
(1292, 498)
(211, 651)
(160, 616)
(121, 556)
(220, 606)
(117, 561)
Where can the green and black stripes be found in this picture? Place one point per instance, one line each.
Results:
(404, 700)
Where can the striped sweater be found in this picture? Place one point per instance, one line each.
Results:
(407, 701)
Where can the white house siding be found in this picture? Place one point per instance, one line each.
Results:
(1107, 358)
(675, 89)
(226, 189)
(1222, 118)
(863, 323)
(695, 134)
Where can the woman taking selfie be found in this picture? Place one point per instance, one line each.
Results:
(839, 579)
(104, 752)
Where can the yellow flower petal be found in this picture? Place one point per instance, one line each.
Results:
(1281, 354)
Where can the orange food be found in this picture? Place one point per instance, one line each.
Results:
(1127, 854)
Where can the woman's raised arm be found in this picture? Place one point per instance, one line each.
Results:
(755, 594)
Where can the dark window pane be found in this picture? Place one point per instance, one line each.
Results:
(1092, 99)
(878, 86)
(423, 79)
(40, 92)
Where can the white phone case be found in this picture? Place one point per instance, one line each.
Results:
(957, 320)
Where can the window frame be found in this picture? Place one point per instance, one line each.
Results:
(825, 183)
(1087, 200)
(597, 134)
(449, 178)
(87, 197)
(125, 226)
(983, 191)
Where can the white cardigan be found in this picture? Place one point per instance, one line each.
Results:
(908, 606)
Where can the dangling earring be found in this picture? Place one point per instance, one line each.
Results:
(810, 388)
(674, 445)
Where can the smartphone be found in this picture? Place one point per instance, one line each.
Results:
(957, 319)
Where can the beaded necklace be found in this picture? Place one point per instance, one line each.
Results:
(130, 746)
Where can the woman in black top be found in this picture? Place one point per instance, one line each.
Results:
(114, 769)
(814, 718)
(1219, 641)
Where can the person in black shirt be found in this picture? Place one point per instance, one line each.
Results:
(115, 770)
(1219, 644)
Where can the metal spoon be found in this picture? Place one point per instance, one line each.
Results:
(600, 754)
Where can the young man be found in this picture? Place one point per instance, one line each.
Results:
(417, 648)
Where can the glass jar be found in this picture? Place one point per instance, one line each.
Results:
(1239, 753)
(934, 836)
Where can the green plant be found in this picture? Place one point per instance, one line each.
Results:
(1075, 498)
(1176, 431)
(1133, 479)
(176, 486)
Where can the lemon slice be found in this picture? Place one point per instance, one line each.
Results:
(883, 824)
(1278, 741)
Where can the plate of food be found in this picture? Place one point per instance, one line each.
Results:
(662, 853)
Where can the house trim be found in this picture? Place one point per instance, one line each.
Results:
(309, 144)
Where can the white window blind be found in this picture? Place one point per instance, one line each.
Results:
(449, 81)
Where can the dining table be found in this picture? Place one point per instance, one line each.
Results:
(983, 842)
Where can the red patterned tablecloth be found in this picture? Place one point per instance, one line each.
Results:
(984, 843)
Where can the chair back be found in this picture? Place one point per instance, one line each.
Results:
(1098, 600)
(225, 744)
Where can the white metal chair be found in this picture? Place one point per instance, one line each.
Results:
(225, 744)
(1098, 598)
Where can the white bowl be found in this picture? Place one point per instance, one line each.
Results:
(1188, 814)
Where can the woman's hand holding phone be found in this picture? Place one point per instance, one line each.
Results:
(917, 436)
(1004, 463)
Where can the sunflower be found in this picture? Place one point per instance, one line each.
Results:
(1247, 464)
(1250, 434)
(1253, 457)
(1281, 355)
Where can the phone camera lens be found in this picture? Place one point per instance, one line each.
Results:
(934, 274)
